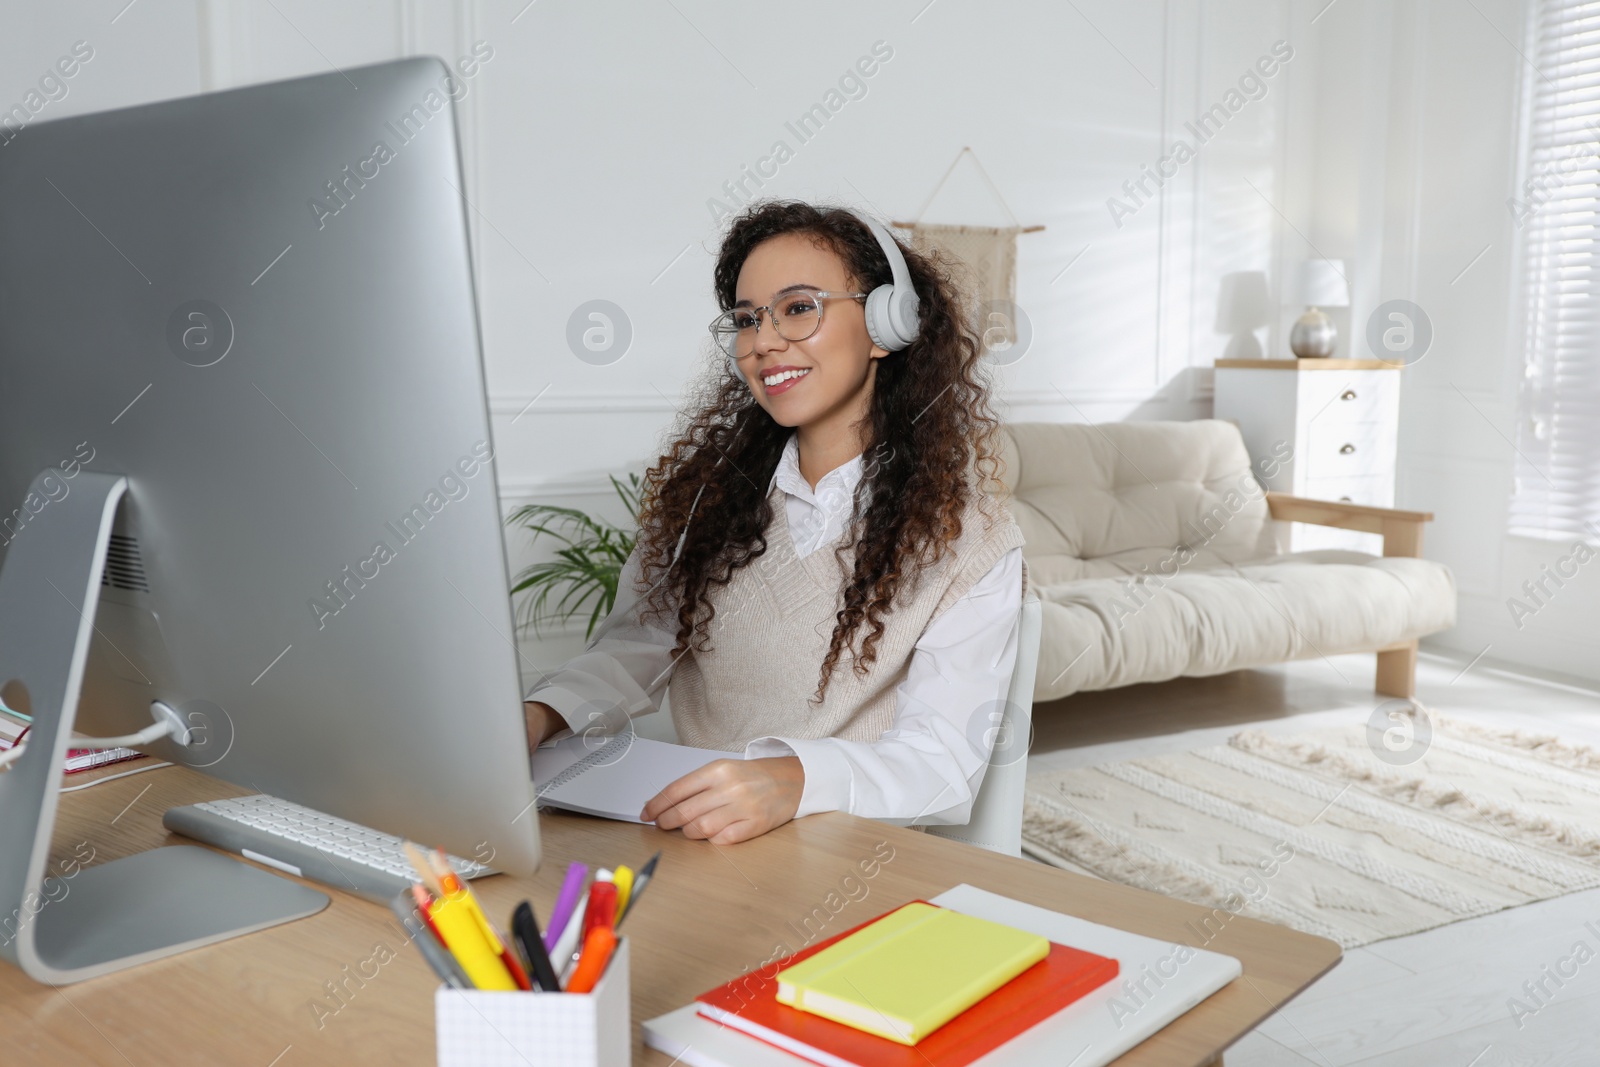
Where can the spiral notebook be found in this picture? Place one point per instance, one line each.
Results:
(612, 777)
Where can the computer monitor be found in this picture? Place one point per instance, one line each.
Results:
(257, 307)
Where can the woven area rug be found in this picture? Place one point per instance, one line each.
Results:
(1315, 831)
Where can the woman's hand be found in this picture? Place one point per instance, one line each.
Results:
(730, 800)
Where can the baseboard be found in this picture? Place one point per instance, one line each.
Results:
(1518, 672)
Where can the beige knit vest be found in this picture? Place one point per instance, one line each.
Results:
(774, 620)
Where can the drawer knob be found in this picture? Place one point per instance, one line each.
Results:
(1348, 394)
(1345, 450)
(1346, 500)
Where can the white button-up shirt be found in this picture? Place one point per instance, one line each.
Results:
(926, 768)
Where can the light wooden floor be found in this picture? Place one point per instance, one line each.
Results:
(1435, 999)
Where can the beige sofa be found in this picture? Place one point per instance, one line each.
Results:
(1155, 552)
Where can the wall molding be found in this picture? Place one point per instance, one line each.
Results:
(1444, 461)
(525, 405)
(1045, 397)
(529, 404)
(528, 489)
(1448, 391)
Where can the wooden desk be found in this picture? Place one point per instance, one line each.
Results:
(712, 913)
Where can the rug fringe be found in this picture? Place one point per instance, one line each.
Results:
(1071, 839)
(1547, 747)
(1423, 792)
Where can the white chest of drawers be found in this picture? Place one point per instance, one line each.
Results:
(1336, 419)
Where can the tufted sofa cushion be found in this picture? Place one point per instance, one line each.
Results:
(1104, 501)
(1155, 556)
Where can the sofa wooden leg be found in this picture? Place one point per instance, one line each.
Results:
(1397, 671)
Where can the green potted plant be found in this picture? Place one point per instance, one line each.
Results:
(585, 569)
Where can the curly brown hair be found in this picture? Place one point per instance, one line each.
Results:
(930, 430)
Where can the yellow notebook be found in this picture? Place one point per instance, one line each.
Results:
(910, 972)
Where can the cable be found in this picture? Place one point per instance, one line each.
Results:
(154, 732)
(10, 754)
(114, 777)
(167, 724)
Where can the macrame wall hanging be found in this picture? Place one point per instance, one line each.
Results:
(988, 255)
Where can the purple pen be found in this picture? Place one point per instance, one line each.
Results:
(571, 890)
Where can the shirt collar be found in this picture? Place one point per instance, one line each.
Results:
(788, 477)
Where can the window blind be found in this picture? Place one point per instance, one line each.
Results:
(1556, 493)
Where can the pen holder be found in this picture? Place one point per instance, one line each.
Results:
(484, 1028)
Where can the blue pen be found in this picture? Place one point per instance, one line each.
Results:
(571, 889)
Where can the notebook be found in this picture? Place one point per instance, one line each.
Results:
(749, 1003)
(612, 777)
(909, 972)
(1096, 1028)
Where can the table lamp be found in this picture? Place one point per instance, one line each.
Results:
(1318, 284)
(1242, 308)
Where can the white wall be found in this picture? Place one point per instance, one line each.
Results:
(1418, 140)
(599, 131)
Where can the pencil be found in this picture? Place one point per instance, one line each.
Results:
(425, 873)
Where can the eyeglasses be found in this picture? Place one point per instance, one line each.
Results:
(795, 316)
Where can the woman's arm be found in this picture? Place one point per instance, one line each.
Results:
(611, 680)
(543, 722)
(927, 767)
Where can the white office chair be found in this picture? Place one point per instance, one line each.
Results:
(997, 812)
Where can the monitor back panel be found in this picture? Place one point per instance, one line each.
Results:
(258, 305)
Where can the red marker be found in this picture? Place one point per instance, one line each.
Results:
(602, 910)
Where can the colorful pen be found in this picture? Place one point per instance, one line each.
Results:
(623, 877)
(571, 890)
(602, 910)
(423, 902)
(420, 927)
(464, 937)
(597, 949)
(525, 931)
(456, 890)
(567, 943)
(640, 880)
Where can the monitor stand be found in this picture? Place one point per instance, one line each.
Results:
(141, 907)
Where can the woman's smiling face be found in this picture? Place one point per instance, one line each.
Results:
(837, 362)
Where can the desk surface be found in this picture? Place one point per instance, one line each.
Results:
(713, 913)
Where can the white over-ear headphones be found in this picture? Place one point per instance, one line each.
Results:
(893, 317)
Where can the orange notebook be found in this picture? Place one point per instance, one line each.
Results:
(749, 1004)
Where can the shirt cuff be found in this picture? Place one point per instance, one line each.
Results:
(828, 785)
(567, 704)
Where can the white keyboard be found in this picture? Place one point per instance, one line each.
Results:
(307, 843)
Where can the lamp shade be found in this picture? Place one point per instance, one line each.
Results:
(1242, 302)
(1319, 283)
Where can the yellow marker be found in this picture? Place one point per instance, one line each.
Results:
(456, 889)
(623, 878)
(471, 940)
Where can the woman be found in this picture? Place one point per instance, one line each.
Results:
(823, 503)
